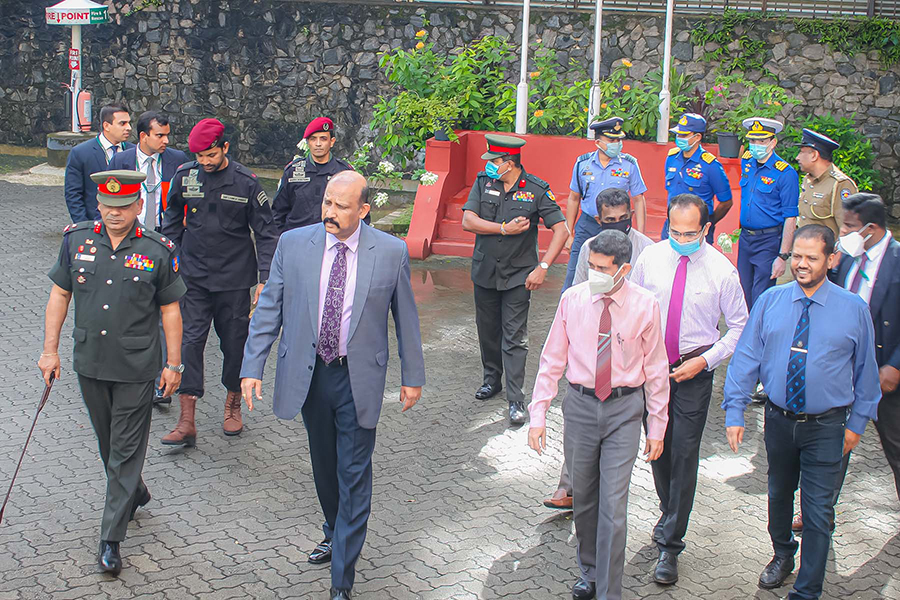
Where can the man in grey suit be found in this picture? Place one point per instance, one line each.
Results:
(333, 354)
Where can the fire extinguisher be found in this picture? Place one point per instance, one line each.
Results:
(83, 107)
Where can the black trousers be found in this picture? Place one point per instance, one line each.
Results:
(888, 426)
(341, 455)
(229, 312)
(120, 414)
(675, 471)
(502, 321)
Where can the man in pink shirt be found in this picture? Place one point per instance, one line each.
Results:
(607, 331)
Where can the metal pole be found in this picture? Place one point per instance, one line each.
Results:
(522, 88)
(594, 98)
(76, 76)
(662, 130)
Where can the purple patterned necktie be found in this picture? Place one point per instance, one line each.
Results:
(332, 313)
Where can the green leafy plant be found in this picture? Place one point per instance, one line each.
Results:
(405, 121)
(855, 157)
(734, 99)
(385, 176)
(721, 30)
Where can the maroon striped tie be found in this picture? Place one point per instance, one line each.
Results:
(603, 376)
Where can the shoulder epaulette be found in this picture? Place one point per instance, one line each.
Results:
(629, 158)
(537, 180)
(839, 175)
(239, 168)
(344, 163)
(708, 157)
(158, 237)
(293, 162)
(585, 156)
(674, 151)
(77, 226)
(747, 155)
(781, 165)
(191, 164)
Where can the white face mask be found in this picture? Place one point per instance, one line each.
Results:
(601, 283)
(854, 244)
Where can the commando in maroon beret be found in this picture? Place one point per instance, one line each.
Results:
(317, 125)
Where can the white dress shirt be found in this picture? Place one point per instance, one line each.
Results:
(712, 289)
(107, 147)
(150, 194)
(874, 256)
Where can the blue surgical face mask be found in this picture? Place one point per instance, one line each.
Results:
(493, 171)
(759, 151)
(683, 143)
(613, 149)
(685, 249)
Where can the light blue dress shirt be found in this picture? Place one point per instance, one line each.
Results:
(589, 178)
(840, 367)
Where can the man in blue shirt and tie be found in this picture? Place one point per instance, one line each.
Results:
(811, 343)
(770, 200)
(692, 170)
(594, 172)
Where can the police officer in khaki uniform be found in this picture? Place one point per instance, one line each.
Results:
(213, 204)
(503, 211)
(123, 277)
(824, 185)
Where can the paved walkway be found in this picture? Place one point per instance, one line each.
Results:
(456, 511)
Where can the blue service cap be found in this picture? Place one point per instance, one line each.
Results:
(817, 141)
(690, 123)
(611, 127)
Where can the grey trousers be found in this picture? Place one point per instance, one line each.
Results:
(601, 443)
(120, 414)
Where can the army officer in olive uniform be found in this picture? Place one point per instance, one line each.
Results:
(122, 277)
(824, 186)
(502, 211)
(213, 204)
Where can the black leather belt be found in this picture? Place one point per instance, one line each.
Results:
(804, 417)
(692, 354)
(340, 361)
(617, 392)
(761, 231)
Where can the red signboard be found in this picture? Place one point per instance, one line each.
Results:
(74, 63)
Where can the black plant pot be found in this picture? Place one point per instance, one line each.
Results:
(729, 145)
(441, 135)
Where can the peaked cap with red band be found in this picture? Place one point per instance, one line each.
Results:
(502, 145)
(118, 188)
(205, 135)
(317, 125)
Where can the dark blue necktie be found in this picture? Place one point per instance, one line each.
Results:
(795, 398)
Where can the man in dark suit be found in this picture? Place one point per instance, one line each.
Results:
(92, 156)
(156, 160)
(330, 288)
(870, 267)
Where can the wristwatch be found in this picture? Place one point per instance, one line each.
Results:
(784, 255)
(177, 369)
(544, 266)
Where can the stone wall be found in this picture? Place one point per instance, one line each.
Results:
(266, 67)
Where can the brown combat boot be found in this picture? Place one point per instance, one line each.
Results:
(234, 424)
(185, 433)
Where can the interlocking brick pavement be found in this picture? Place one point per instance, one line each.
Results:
(456, 510)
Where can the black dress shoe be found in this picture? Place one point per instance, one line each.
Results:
(487, 391)
(517, 413)
(584, 590)
(321, 554)
(340, 594)
(109, 559)
(142, 500)
(666, 571)
(776, 572)
(158, 398)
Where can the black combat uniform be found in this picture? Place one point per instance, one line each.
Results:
(209, 216)
(298, 201)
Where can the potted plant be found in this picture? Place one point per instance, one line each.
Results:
(756, 100)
